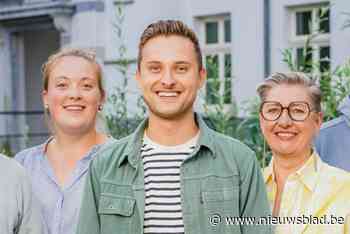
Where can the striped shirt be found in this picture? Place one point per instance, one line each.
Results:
(163, 212)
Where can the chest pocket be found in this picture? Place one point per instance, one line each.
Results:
(220, 198)
(114, 205)
(117, 209)
(223, 200)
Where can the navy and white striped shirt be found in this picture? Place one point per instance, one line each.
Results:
(163, 211)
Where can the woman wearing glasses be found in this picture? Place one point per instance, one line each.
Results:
(300, 186)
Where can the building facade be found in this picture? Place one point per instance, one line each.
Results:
(242, 42)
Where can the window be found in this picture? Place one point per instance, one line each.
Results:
(216, 46)
(311, 22)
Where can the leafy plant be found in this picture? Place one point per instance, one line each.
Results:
(117, 116)
(221, 116)
(335, 85)
(219, 109)
(248, 131)
(5, 148)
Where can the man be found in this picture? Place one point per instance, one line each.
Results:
(173, 174)
(19, 214)
(333, 141)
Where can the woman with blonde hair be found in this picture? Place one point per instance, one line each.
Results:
(300, 186)
(72, 95)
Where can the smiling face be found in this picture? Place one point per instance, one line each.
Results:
(169, 76)
(73, 95)
(287, 137)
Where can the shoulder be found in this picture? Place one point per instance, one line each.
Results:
(29, 156)
(235, 153)
(335, 175)
(335, 180)
(231, 146)
(109, 153)
(333, 128)
(334, 124)
(10, 169)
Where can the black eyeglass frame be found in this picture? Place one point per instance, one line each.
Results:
(288, 110)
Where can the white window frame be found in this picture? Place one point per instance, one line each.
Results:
(220, 49)
(298, 41)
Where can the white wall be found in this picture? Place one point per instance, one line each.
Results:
(247, 33)
(340, 37)
(5, 79)
(95, 29)
(248, 49)
(86, 28)
(138, 15)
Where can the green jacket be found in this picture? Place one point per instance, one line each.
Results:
(220, 179)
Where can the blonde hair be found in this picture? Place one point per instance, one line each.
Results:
(169, 28)
(88, 55)
(292, 78)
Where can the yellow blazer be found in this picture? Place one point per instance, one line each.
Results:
(317, 191)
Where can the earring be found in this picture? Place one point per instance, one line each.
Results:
(46, 109)
(100, 108)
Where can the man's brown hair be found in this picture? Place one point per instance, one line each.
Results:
(169, 28)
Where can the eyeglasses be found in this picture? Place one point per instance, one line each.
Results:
(297, 111)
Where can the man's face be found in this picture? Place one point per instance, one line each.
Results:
(169, 76)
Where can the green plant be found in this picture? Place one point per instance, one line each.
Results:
(118, 119)
(220, 118)
(335, 85)
(219, 109)
(248, 131)
(5, 148)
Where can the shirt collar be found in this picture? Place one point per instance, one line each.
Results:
(307, 174)
(89, 155)
(43, 147)
(134, 144)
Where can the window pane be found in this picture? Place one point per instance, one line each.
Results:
(228, 65)
(212, 66)
(324, 58)
(227, 94)
(227, 30)
(212, 89)
(324, 20)
(304, 59)
(211, 32)
(213, 82)
(300, 57)
(303, 21)
(227, 88)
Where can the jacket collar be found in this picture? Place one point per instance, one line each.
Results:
(307, 174)
(134, 141)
